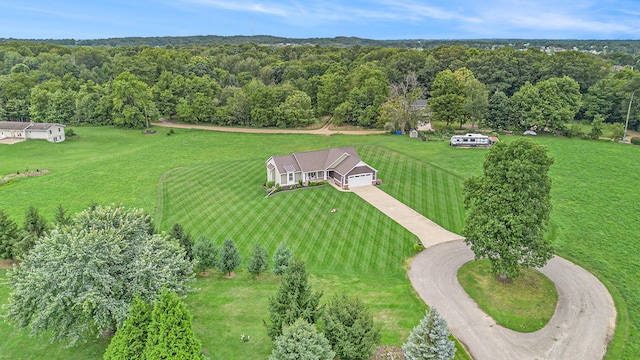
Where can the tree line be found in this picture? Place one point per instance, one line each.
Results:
(294, 86)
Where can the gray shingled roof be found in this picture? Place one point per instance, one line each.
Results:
(14, 125)
(41, 126)
(318, 160)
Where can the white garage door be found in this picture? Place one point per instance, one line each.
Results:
(360, 180)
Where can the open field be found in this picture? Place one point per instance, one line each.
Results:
(593, 222)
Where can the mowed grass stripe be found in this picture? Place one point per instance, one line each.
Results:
(332, 243)
(429, 190)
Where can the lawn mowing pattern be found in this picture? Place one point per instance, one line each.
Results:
(434, 193)
(225, 200)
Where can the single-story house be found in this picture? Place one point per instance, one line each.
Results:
(341, 165)
(30, 130)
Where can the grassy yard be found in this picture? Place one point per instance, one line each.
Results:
(210, 182)
(526, 305)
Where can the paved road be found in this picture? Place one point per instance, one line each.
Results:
(580, 329)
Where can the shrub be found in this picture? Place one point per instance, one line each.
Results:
(205, 254)
(259, 262)
(635, 140)
(229, 257)
(575, 131)
(68, 132)
(300, 340)
(430, 339)
(281, 259)
(349, 327)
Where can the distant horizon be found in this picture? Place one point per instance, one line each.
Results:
(372, 19)
(316, 37)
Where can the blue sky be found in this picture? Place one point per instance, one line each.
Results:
(373, 19)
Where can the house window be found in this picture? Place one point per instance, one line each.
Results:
(312, 175)
(290, 177)
(50, 132)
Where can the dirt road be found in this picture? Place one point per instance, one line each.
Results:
(322, 131)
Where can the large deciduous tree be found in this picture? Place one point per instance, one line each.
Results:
(400, 111)
(349, 327)
(80, 279)
(430, 339)
(295, 299)
(132, 101)
(508, 208)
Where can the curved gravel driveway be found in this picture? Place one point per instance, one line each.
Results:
(581, 327)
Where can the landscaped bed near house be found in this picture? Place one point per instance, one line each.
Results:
(593, 221)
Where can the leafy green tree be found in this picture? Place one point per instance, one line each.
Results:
(508, 208)
(597, 126)
(300, 340)
(430, 339)
(132, 101)
(447, 98)
(295, 110)
(61, 217)
(526, 108)
(79, 280)
(170, 331)
(399, 111)
(349, 327)
(498, 116)
(130, 340)
(259, 262)
(332, 91)
(229, 257)
(476, 100)
(281, 259)
(561, 100)
(294, 299)
(205, 254)
(368, 92)
(9, 234)
(617, 131)
(178, 233)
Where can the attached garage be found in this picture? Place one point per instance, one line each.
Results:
(360, 180)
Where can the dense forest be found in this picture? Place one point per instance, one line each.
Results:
(247, 84)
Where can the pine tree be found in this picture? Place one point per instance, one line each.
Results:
(130, 340)
(229, 257)
(34, 227)
(300, 340)
(205, 254)
(61, 216)
(294, 300)
(281, 259)
(259, 262)
(430, 339)
(349, 327)
(9, 234)
(170, 331)
(177, 232)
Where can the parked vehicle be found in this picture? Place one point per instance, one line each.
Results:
(471, 139)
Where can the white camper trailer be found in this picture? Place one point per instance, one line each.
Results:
(471, 139)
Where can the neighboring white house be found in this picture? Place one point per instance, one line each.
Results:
(342, 165)
(29, 130)
(471, 139)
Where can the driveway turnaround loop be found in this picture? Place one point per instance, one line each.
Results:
(581, 327)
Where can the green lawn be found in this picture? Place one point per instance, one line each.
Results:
(594, 224)
(525, 305)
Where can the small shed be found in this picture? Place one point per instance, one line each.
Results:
(413, 133)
